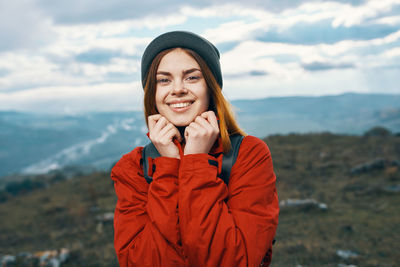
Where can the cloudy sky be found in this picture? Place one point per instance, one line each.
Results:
(84, 55)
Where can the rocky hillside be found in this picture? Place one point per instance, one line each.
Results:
(339, 207)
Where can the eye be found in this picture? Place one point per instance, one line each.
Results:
(163, 80)
(193, 78)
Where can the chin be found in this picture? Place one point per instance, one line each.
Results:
(181, 123)
(179, 119)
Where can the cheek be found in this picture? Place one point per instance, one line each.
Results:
(159, 98)
(205, 99)
(206, 102)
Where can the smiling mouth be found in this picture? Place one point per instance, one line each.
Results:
(180, 105)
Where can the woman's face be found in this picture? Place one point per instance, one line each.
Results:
(181, 91)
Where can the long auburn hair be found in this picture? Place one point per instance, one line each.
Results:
(222, 108)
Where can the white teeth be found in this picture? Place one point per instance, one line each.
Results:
(180, 105)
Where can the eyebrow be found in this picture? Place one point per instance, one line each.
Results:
(185, 72)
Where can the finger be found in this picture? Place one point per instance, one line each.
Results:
(174, 133)
(161, 123)
(152, 120)
(165, 129)
(203, 123)
(178, 135)
(197, 129)
(211, 118)
(206, 114)
(211, 126)
(167, 137)
(188, 131)
(156, 129)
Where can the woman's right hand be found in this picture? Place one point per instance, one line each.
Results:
(162, 133)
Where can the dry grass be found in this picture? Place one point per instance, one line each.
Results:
(361, 216)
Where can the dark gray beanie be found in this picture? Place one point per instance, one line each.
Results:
(182, 39)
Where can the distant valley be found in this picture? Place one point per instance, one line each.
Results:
(38, 143)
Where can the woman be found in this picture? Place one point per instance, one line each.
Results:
(188, 216)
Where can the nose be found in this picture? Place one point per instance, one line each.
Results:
(179, 88)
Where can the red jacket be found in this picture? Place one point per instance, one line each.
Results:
(188, 216)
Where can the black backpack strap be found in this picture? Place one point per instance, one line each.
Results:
(229, 158)
(149, 151)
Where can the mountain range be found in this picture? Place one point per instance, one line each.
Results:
(38, 143)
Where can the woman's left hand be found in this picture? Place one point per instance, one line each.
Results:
(200, 135)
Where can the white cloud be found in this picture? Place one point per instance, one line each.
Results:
(325, 83)
(97, 72)
(351, 15)
(27, 71)
(262, 56)
(232, 31)
(100, 97)
(394, 52)
(74, 40)
(258, 57)
(22, 26)
(54, 72)
(122, 28)
(389, 20)
(258, 21)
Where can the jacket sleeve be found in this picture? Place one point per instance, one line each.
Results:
(235, 227)
(145, 221)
